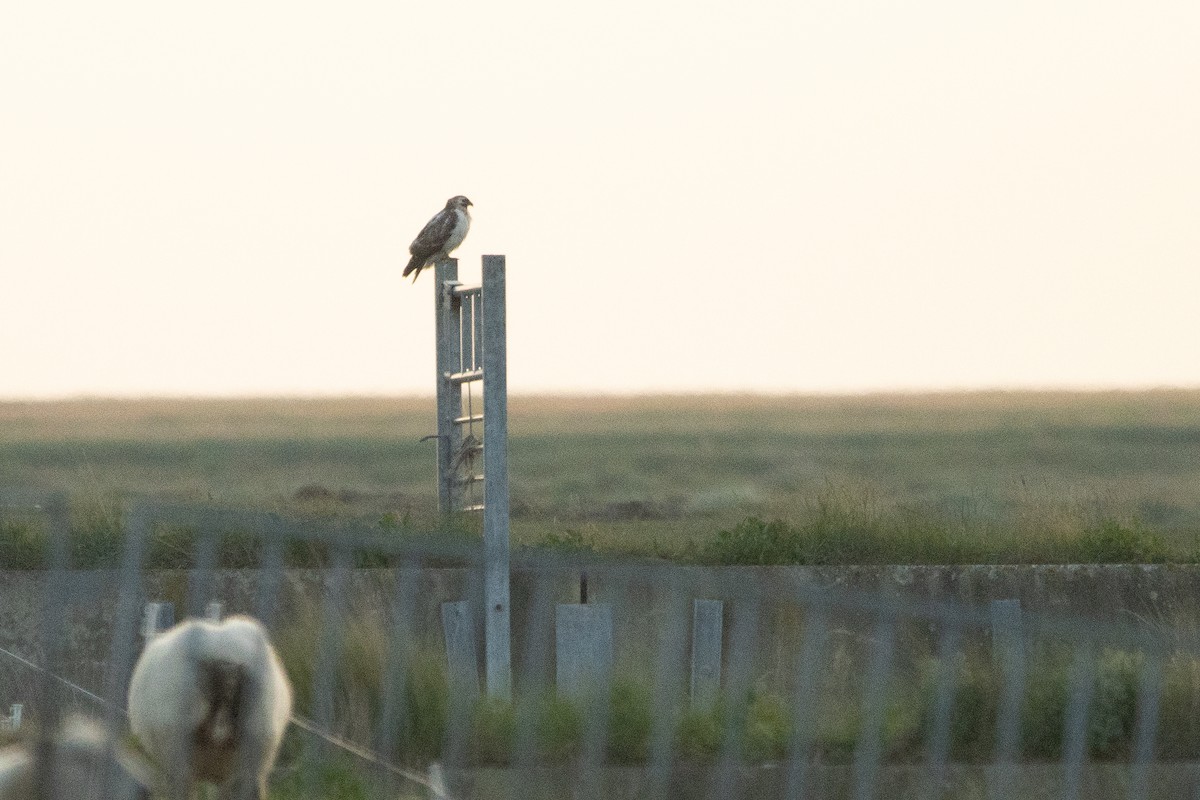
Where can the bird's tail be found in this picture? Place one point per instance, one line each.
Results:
(415, 265)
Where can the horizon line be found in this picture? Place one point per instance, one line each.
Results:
(1031, 389)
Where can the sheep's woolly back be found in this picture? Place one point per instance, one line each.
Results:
(212, 695)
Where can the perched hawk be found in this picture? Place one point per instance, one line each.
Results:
(440, 236)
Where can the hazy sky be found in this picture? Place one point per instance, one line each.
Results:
(218, 198)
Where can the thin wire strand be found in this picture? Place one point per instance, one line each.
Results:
(74, 686)
(366, 755)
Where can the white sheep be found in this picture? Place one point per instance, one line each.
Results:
(209, 701)
(83, 758)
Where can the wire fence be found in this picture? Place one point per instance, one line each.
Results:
(668, 682)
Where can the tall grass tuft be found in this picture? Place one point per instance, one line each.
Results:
(1111, 716)
(22, 544)
(830, 537)
(1112, 542)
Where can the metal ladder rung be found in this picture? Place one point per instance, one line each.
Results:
(464, 377)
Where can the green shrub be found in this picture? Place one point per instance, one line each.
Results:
(560, 727)
(1114, 705)
(1179, 720)
(332, 780)
(753, 541)
(1044, 708)
(22, 545)
(832, 539)
(838, 734)
(699, 734)
(96, 536)
(171, 547)
(1114, 543)
(835, 527)
(630, 721)
(1111, 715)
(493, 731)
(427, 699)
(569, 540)
(976, 700)
(768, 726)
(830, 535)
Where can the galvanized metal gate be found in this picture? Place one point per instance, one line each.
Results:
(471, 349)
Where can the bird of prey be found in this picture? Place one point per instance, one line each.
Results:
(440, 236)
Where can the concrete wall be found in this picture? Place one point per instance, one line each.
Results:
(1160, 594)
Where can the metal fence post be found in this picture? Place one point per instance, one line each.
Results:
(496, 620)
(156, 618)
(14, 719)
(707, 624)
(459, 630)
(448, 334)
(1009, 654)
(1008, 638)
(583, 649)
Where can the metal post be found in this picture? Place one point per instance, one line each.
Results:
(707, 628)
(157, 617)
(457, 627)
(1008, 637)
(497, 628)
(449, 395)
(583, 649)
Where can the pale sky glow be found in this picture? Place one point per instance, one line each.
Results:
(764, 196)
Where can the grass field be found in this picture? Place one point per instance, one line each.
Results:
(994, 475)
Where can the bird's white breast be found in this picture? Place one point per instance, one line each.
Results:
(462, 224)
